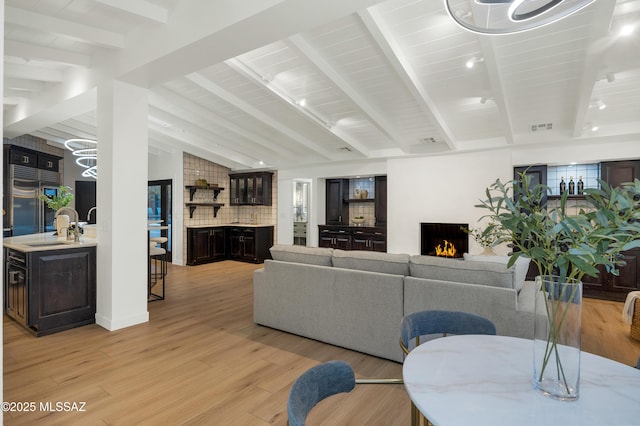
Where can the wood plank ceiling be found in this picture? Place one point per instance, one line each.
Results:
(290, 83)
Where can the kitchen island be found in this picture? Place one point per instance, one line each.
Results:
(50, 284)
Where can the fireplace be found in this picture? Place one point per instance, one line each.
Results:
(434, 235)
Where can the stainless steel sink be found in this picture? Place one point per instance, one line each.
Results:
(47, 243)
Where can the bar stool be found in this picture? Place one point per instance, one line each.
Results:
(157, 270)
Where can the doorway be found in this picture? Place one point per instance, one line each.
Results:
(160, 196)
(301, 189)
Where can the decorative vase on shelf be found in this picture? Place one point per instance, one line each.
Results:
(488, 251)
(557, 330)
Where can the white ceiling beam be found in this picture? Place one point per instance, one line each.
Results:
(221, 142)
(202, 147)
(65, 28)
(487, 45)
(169, 143)
(394, 54)
(140, 8)
(372, 114)
(164, 98)
(307, 112)
(13, 93)
(199, 136)
(43, 133)
(74, 131)
(42, 53)
(594, 58)
(23, 84)
(27, 72)
(258, 115)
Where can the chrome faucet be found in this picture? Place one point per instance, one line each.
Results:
(92, 209)
(76, 236)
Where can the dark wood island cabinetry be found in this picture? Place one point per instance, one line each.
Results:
(47, 291)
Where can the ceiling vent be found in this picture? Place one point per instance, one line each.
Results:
(427, 141)
(541, 127)
(344, 149)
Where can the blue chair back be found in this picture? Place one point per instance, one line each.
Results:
(442, 322)
(316, 384)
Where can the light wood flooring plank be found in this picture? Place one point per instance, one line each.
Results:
(201, 360)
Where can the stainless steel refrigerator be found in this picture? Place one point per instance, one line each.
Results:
(27, 213)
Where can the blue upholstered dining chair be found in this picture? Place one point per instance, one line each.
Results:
(424, 323)
(320, 382)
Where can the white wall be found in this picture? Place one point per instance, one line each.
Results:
(165, 165)
(438, 189)
(441, 188)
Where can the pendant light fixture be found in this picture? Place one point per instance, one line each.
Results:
(510, 16)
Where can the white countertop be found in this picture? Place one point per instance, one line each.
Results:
(45, 241)
(486, 380)
(244, 225)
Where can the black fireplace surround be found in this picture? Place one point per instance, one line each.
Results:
(434, 234)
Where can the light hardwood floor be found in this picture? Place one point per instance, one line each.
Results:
(201, 360)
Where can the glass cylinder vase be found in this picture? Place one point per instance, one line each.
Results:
(557, 331)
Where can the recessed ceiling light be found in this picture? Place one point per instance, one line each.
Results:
(626, 30)
(473, 61)
(302, 102)
(594, 128)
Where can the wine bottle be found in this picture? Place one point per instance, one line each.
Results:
(580, 186)
(563, 186)
(572, 186)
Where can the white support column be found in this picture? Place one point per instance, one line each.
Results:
(122, 254)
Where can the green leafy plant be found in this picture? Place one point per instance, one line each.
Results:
(562, 244)
(62, 199)
(485, 237)
(557, 242)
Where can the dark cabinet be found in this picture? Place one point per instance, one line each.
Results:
(353, 237)
(29, 158)
(23, 157)
(334, 237)
(618, 172)
(48, 162)
(337, 210)
(381, 201)
(250, 244)
(206, 245)
(51, 291)
(245, 243)
(250, 189)
(611, 287)
(370, 239)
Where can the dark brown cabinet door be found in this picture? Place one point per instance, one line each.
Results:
(199, 245)
(62, 289)
(618, 172)
(381, 201)
(337, 211)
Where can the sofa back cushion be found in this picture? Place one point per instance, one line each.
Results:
(300, 254)
(520, 267)
(387, 263)
(447, 269)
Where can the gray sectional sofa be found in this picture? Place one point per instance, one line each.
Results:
(356, 299)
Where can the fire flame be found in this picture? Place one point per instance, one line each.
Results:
(446, 250)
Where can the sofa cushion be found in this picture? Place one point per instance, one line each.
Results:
(300, 254)
(447, 269)
(388, 263)
(521, 266)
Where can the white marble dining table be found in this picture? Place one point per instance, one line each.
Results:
(486, 380)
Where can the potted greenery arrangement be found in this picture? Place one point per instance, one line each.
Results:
(564, 248)
(484, 237)
(62, 199)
